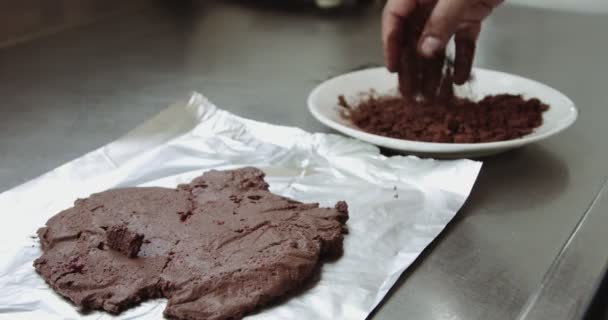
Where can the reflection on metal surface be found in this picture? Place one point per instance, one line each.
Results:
(569, 286)
(22, 21)
(592, 6)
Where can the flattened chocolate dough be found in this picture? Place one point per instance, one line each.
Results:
(216, 248)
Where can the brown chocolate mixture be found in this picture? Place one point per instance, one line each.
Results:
(429, 111)
(216, 248)
(123, 240)
(495, 118)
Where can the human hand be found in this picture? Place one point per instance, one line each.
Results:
(446, 18)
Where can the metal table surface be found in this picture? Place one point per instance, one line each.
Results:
(71, 92)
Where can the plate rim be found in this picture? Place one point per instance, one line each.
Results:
(435, 147)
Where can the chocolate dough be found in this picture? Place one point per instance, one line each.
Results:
(121, 239)
(216, 248)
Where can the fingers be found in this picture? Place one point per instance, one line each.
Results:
(408, 69)
(393, 16)
(432, 75)
(462, 17)
(448, 17)
(478, 11)
(411, 68)
(441, 25)
(466, 38)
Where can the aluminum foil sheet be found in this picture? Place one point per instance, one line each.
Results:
(398, 205)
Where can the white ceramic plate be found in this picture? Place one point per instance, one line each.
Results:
(322, 103)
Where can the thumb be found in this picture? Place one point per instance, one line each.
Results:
(441, 25)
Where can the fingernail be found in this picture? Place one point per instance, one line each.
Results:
(430, 45)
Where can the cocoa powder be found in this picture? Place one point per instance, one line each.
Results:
(495, 118)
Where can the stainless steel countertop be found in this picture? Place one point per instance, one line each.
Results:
(69, 93)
